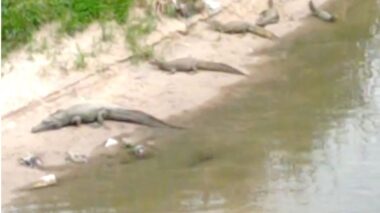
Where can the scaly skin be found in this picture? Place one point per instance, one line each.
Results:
(262, 32)
(321, 14)
(232, 27)
(189, 64)
(242, 27)
(89, 113)
(268, 16)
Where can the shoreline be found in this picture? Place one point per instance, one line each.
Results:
(147, 89)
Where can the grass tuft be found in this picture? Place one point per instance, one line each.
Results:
(21, 18)
(135, 31)
(80, 61)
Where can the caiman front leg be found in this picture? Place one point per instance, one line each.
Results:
(76, 120)
(194, 70)
(172, 71)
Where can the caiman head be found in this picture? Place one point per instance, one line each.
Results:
(215, 25)
(50, 123)
(156, 62)
(46, 125)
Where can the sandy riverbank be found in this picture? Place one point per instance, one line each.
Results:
(140, 87)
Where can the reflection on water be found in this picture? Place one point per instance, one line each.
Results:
(305, 140)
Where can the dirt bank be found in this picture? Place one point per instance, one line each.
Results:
(134, 86)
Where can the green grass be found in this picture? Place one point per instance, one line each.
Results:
(21, 18)
(80, 61)
(137, 29)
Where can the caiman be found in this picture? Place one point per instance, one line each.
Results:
(321, 14)
(189, 64)
(90, 113)
(235, 27)
(268, 16)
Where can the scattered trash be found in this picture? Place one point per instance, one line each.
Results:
(31, 160)
(111, 142)
(76, 158)
(44, 181)
(142, 151)
(213, 5)
(139, 151)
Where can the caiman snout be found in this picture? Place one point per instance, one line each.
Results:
(43, 126)
(38, 128)
(154, 62)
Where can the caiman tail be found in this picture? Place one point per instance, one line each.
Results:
(321, 14)
(213, 66)
(262, 32)
(312, 7)
(138, 117)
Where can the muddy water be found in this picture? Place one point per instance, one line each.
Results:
(305, 139)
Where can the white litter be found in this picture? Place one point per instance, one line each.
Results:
(50, 178)
(44, 181)
(111, 142)
(213, 5)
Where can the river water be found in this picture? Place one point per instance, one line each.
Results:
(304, 139)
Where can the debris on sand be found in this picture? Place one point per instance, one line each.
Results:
(31, 160)
(213, 5)
(142, 151)
(44, 181)
(111, 142)
(139, 151)
(76, 157)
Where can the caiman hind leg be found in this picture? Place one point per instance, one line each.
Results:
(100, 117)
(77, 121)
